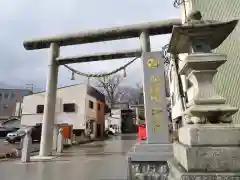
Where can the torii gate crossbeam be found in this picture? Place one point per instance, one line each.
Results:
(107, 34)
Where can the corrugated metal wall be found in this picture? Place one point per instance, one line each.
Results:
(227, 81)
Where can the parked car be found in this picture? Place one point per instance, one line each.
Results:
(13, 137)
(111, 130)
(4, 131)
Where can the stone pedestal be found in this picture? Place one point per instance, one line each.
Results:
(145, 151)
(208, 145)
(26, 146)
(177, 172)
(206, 150)
(149, 160)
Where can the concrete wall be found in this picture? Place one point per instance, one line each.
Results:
(91, 114)
(227, 79)
(101, 116)
(74, 94)
(96, 114)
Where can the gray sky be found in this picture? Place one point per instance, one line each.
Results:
(25, 19)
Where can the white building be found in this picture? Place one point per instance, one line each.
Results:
(177, 105)
(75, 105)
(115, 119)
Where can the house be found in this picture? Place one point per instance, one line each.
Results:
(9, 100)
(115, 120)
(122, 120)
(81, 106)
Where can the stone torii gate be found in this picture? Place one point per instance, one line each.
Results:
(143, 31)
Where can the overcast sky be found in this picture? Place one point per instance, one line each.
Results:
(25, 19)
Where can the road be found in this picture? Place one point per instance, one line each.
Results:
(99, 160)
(6, 147)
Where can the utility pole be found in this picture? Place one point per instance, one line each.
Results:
(30, 87)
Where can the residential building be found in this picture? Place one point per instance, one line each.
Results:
(9, 99)
(77, 105)
(226, 81)
(115, 119)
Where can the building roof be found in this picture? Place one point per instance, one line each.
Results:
(57, 88)
(90, 91)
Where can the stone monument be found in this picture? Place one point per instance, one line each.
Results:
(26, 145)
(148, 159)
(209, 145)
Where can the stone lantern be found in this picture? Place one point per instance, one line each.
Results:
(208, 144)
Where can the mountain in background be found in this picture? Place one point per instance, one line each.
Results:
(7, 86)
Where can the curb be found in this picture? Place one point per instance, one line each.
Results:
(14, 154)
(83, 142)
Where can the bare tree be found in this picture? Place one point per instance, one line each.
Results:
(109, 86)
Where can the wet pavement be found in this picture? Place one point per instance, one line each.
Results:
(6, 147)
(99, 160)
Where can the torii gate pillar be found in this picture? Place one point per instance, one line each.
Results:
(49, 104)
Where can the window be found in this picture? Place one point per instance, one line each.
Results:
(1, 96)
(69, 107)
(78, 132)
(99, 106)
(90, 104)
(40, 109)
